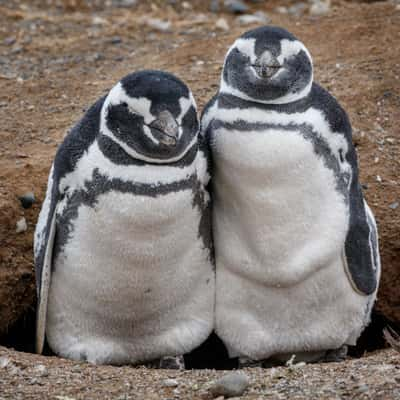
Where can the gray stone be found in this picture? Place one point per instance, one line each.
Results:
(257, 18)
(9, 41)
(230, 385)
(235, 6)
(394, 205)
(320, 7)
(21, 225)
(297, 9)
(214, 6)
(41, 370)
(158, 24)
(170, 383)
(27, 199)
(125, 3)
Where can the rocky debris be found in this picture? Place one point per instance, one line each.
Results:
(157, 24)
(258, 17)
(170, 383)
(394, 205)
(124, 3)
(222, 24)
(295, 10)
(235, 6)
(230, 385)
(21, 225)
(320, 7)
(4, 361)
(214, 6)
(41, 370)
(375, 376)
(9, 40)
(27, 199)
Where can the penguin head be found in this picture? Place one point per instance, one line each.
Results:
(267, 65)
(152, 115)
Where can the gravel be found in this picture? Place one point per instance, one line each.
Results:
(27, 199)
(21, 225)
(23, 376)
(230, 385)
(235, 6)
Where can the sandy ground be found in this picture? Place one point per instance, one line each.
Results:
(26, 376)
(55, 62)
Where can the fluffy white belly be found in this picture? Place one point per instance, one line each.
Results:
(279, 230)
(133, 283)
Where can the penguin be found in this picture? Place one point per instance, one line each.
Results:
(122, 247)
(296, 245)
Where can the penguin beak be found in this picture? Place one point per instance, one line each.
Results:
(165, 128)
(266, 66)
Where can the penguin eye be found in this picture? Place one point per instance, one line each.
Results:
(125, 105)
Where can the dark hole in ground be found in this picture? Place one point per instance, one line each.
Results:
(212, 354)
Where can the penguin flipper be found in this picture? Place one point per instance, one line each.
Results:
(44, 286)
(361, 251)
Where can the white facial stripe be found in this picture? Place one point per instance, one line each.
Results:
(207, 117)
(147, 174)
(289, 48)
(140, 105)
(130, 151)
(312, 116)
(247, 47)
(147, 132)
(185, 103)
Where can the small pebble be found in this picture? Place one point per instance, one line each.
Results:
(170, 383)
(9, 41)
(362, 388)
(115, 40)
(41, 370)
(282, 10)
(394, 205)
(125, 3)
(158, 24)
(27, 199)
(21, 226)
(4, 362)
(235, 6)
(320, 7)
(214, 6)
(297, 9)
(222, 24)
(257, 18)
(230, 385)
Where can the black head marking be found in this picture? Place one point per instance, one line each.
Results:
(152, 116)
(267, 64)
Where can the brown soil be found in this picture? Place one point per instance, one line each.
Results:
(64, 58)
(27, 376)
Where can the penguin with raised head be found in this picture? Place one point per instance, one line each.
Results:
(123, 243)
(296, 245)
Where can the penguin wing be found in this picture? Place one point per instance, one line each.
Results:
(361, 254)
(74, 146)
(361, 248)
(43, 265)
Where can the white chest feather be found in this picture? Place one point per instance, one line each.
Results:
(134, 275)
(276, 204)
(279, 230)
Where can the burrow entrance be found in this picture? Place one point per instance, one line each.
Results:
(212, 354)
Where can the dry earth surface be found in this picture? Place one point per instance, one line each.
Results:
(57, 60)
(27, 376)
